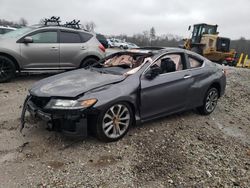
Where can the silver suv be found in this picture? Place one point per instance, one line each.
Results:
(46, 48)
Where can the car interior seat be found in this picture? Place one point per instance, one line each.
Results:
(167, 65)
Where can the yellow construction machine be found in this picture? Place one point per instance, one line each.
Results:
(205, 40)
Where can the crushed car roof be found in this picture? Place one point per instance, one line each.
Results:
(154, 50)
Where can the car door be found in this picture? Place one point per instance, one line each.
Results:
(166, 93)
(42, 52)
(72, 49)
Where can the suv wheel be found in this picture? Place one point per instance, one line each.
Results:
(7, 69)
(114, 122)
(88, 62)
(210, 101)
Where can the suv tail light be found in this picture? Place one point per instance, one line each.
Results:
(102, 48)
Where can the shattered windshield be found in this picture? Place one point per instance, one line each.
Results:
(121, 63)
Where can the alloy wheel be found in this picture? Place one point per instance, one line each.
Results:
(116, 121)
(211, 100)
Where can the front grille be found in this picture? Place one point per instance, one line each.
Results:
(40, 102)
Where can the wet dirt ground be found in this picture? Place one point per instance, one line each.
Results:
(182, 150)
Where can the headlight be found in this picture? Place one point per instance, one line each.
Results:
(70, 104)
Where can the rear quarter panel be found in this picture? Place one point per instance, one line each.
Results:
(203, 78)
(90, 49)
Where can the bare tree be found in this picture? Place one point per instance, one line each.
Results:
(42, 21)
(23, 22)
(152, 33)
(6, 22)
(90, 26)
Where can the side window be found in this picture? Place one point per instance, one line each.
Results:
(1, 31)
(194, 63)
(69, 37)
(45, 37)
(85, 36)
(170, 63)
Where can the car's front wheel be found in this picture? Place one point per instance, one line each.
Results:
(7, 69)
(210, 101)
(114, 122)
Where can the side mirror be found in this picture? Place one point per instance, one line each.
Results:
(27, 40)
(189, 28)
(152, 73)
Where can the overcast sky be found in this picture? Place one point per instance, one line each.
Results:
(134, 16)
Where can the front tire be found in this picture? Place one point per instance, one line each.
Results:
(7, 69)
(209, 102)
(114, 122)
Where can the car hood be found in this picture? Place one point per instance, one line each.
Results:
(72, 83)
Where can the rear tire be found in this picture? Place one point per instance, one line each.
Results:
(114, 122)
(209, 102)
(88, 62)
(7, 69)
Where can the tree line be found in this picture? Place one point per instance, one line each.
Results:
(241, 45)
(17, 24)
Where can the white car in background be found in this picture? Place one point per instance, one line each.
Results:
(7, 29)
(117, 43)
(110, 43)
(132, 45)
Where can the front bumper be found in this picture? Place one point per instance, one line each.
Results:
(69, 122)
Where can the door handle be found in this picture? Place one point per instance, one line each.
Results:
(187, 76)
(83, 48)
(54, 48)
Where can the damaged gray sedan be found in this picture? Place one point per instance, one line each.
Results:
(126, 88)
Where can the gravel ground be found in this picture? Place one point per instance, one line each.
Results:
(183, 150)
